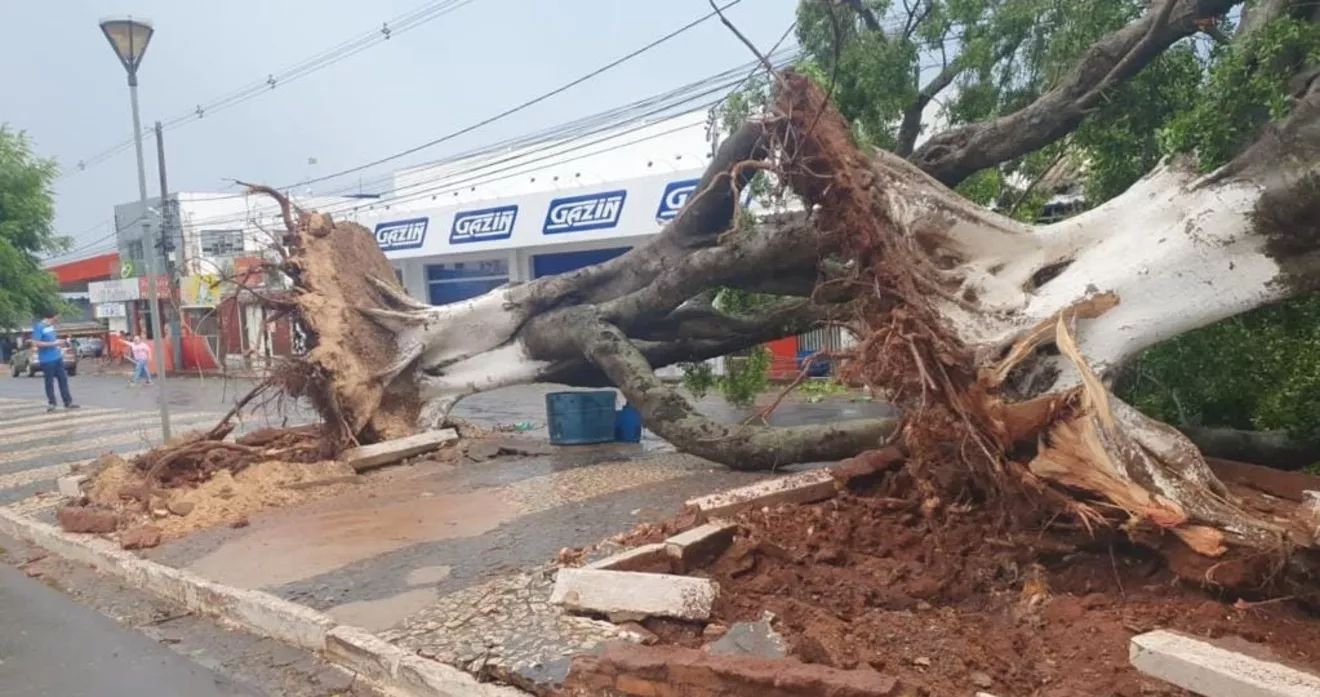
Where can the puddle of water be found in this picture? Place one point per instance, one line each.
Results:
(379, 615)
(426, 575)
(300, 543)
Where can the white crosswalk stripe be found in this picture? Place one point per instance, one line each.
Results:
(61, 425)
(114, 441)
(61, 414)
(33, 443)
(131, 422)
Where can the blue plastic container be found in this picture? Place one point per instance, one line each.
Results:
(580, 418)
(819, 368)
(628, 425)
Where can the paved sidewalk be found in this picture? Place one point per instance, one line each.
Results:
(448, 557)
(50, 645)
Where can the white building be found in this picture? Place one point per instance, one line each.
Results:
(461, 228)
(210, 232)
(457, 230)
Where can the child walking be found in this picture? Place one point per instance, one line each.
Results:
(141, 351)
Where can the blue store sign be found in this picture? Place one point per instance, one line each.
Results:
(588, 212)
(482, 225)
(675, 197)
(401, 234)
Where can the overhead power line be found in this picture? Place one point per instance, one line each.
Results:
(519, 107)
(320, 61)
(559, 140)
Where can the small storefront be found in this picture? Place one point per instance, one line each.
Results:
(448, 254)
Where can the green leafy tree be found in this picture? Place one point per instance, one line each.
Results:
(27, 213)
(884, 63)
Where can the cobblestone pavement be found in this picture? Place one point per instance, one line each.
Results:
(505, 628)
(446, 556)
(37, 447)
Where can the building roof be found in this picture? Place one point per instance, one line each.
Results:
(74, 275)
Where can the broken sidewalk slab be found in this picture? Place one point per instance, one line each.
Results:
(366, 457)
(652, 558)
(804, 487)
(700, 545)
(605, 592)
(1211, 670)
(757, 639)
(487, 448)
(70, 485)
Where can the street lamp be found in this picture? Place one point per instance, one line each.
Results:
(129, 38)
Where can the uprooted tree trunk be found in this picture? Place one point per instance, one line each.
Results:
(997, 338)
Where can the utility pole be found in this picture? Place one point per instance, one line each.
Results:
(129, 39)
(171, 236)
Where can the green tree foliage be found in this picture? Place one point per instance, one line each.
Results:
(1260, 370)
(27, 212)
(1257, 371)
(1245, 87)
(1202, 98)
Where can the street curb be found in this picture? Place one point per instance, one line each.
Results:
(390, 668)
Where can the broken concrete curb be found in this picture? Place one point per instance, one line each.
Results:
(263, 614)
(804, 487)
(701, 544)
(633, 593)
(367, 457)
(653, 558)
(1214, 671)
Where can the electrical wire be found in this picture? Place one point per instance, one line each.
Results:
(320, 61)
(675, 101)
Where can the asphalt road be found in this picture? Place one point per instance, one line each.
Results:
(52, 647)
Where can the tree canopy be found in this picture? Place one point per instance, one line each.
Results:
(27, 214)
(895, 69)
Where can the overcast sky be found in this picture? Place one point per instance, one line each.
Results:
(63, 86)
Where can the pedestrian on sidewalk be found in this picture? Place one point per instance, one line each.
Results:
(50, 356)
(141, 351)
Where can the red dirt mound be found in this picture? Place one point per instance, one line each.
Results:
(959, 601)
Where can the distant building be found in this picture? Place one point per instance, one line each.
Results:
(452, 231)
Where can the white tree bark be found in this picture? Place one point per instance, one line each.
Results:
(1178, 251)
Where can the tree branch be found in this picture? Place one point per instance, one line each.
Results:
(868, 17)
(958, 153)
(911, 125)
(739, 446)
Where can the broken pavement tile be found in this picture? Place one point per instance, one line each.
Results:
(804, 487)
(618, 592)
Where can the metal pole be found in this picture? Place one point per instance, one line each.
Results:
(167, 231)
(149, 249)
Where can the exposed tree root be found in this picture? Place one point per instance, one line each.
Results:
(968, 426)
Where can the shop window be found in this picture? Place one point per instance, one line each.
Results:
(221, 243)
(458, 281)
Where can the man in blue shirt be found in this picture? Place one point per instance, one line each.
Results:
(51, 359)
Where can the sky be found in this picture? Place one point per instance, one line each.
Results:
(64, 87)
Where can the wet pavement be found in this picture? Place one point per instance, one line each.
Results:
(446, 556)
(49, 645)
(68, 631)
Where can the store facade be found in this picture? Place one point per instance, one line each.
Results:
(451, 253)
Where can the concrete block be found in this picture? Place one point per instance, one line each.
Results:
(653, 558)
(267, 615)
(422, 677)
(757, 639)
(632, 593)
(363, 653)
(1212, 670)
(804, 487)
(377, 454)
(70, 485)
(700, 545)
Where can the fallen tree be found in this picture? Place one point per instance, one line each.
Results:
(996, 337)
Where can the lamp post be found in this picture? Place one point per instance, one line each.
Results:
(129, 38)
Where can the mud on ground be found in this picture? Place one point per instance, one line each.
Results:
(960, 601)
